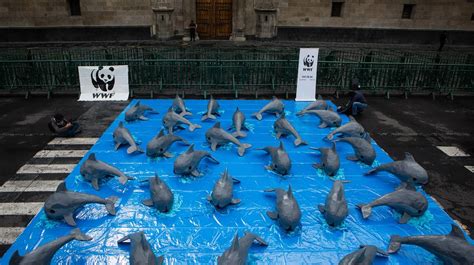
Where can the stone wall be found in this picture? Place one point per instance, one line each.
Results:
(55, 13)
(427, 14)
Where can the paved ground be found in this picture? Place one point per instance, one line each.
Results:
(416, 125)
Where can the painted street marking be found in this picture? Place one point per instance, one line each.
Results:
(74, 141)
(60, 153)
(8, 235)
(470, 168)
(30, 185)
(20, 208)
(46, 169)
(452, 151)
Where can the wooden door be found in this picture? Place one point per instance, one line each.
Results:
(214, 19)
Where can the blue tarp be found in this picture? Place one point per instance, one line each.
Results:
(195, 233)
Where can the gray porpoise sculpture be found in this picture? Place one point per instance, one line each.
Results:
(365, 255)
(364, 151)
(328, 118)
(123, 136)
(162, 197)
(140, 250)
(62, 204)
(179, 107)
(335, 208)
(405, 200)
(238, 123)
(407, 170)
(288, 213)
(212, 110)
(452, 249)
(137, 112)
(319, 104)
(350, 129)
(172, 120)
(239, 250)
(329, 160)
(281, 162)
(217, 136)
(186, 164)
(94, 170)
(275, 106)
(222, 193)
(158, 145)
(45, 253)
(283, 127)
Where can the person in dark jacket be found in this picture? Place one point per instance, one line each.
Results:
(62, 127)
(192, 30)
(357, 102)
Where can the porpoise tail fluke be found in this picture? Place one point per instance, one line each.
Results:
(110, 205)
(258, 115)
(208, 116)
(365, 209)
(299, 142)
(78, 235)
(134, 148)
(184, 113)
(394, 244)
(242, 148)
(193, 127)
(239, 134)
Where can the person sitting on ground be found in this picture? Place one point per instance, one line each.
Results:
(62, 127)
(357, 103)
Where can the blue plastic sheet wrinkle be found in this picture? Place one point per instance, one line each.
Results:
(195, 233)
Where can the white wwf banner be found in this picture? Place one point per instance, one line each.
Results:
(103, 82)
(307, 71)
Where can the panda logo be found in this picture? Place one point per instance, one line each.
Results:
(308, 60)
(103, 78)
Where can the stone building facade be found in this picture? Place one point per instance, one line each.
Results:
(238, 19)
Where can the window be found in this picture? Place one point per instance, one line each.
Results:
(75, 7)
(336, 9)
(408, 11)
(472, 17)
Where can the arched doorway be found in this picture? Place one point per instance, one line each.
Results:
(214, 19)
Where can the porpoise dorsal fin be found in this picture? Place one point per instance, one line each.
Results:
(351, 118)
(138, 104)
(16, 258)
(61, 187)
(217, 125)
(333, 146)
(212, 97)
(225, 175)
(92, 157)
(121, 124)
(157, 178)
(190, 149)
(340, 194)
(145, 244)
(290, 191)
(177, 95)
(407, 186)
(170, 109)
(235, 243)
(320, 97)
(282, 115)
(281, 147)
(162, 133)
(409, 157)
(274, 98)
(237, 109)
(456, 232)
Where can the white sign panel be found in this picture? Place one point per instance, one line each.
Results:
(307, 69)
(103, 82)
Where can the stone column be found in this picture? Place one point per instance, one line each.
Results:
(164, 26)
(238, 20)
(266, 23)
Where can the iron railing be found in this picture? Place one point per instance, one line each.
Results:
(241, 72)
